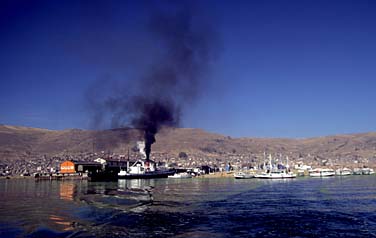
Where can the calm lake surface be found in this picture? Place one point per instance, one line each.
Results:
(201, 207)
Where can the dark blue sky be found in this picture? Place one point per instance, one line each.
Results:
(284, 68)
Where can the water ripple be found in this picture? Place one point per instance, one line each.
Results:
(334, 207)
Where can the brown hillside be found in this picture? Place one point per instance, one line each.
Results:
(27, 143)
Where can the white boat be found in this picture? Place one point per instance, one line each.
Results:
(321, 172)
(243, 175)
(276, 174)
(180, 175)
(143, 169)
(367, 171)
(357, 171)
(343, 172)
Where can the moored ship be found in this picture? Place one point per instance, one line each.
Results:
(367, 171)
(243, 175)
(276, 174)
(321, 172)
(180, 175)
(343, 172)
(144, 169)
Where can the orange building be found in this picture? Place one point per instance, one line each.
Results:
(71, 167)
(67, 167)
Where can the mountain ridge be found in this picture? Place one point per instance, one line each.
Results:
(27, 143)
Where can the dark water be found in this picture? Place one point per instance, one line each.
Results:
(224, 207)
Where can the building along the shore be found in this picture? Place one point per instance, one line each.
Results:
(73, 167)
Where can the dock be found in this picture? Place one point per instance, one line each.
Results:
(74, 176)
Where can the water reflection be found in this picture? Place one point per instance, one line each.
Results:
(60, 223)
(40, 209)
(67, 190)
(124, 195)
(136, 184)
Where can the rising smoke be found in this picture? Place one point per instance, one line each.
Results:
(187, 44)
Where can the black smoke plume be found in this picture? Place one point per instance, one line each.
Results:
(185, 46)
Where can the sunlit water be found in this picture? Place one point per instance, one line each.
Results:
(223, 207)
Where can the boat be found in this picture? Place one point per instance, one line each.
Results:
(321, 172)
(343, 172)
(143, 169)
(243, 175)
(276, 171)
(180, 175)
(357, 171)
(275, 174)
(300, 173)
(367, 171)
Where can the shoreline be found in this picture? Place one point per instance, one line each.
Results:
(204, 176)
(217, 175)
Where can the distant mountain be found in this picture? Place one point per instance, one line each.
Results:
(26, 143)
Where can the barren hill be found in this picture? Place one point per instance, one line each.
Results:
(28, 143)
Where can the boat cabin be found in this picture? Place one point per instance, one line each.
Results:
(142, 166)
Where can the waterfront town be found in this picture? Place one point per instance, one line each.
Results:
(233, 161)
(25, 151)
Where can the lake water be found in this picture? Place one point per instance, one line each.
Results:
(201, 207)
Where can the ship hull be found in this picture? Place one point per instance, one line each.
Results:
(157, 174)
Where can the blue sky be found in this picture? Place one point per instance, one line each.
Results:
(284, 68)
